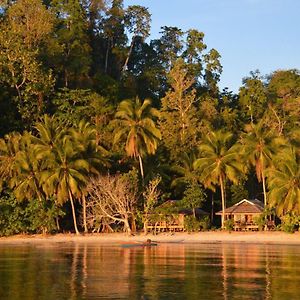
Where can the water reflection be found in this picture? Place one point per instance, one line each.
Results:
(168, 271)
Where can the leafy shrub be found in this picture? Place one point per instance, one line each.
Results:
(26, 217)
(260, 221)
(194, 196)
(229, 224)
(12, 216)
(191, 224)
(289, 223)
(40, 216)
(205, 223)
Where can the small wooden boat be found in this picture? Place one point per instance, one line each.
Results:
(138, 245)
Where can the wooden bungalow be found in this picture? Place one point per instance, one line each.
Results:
(172, 219)
(243, 214)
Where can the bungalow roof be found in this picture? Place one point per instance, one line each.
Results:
(245, 206)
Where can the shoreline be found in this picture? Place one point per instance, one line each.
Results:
(178, 237)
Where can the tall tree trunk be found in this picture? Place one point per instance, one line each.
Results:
(57, 223)
(141, 166)
(223, 200)
(106, 57)
(264, 187)
(128, 55)
(84, 213)
(73, 212)
(66, 78)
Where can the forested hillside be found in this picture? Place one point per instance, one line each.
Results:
(88, 100)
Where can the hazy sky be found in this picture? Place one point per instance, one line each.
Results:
(249, 34)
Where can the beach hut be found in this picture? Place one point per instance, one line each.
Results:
(170, 217)
(243, 214)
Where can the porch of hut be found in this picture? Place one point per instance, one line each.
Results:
(244, 213)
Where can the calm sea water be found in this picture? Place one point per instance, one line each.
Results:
(168, 271)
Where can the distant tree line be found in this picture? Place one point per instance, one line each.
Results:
(99, 125)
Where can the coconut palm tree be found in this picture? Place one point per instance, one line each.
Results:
(66, 173)
(49, 131)
(9, 147)
(84, 137)
(26, 181)
(259, 145)
(185, 169)
(284, 182)
(135, 121)
(217, 162)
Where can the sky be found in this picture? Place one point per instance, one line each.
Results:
(249, 34)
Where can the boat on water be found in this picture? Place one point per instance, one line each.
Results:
(148, 243)
(138, 245)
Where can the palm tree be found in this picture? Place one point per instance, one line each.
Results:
(136, 122)
(66, 173)
(49, 131)
(9, 147)
(84, 137)
(217, 162)
(185, 170)
(284, 183)
(27, 167)
(258, 145)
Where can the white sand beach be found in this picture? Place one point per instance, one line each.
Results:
(178, 237)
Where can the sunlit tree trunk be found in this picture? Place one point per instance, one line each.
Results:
(223, 200)
(141, 166)
(84, 213)
(73, 212)
(264, 187)
(128, 56)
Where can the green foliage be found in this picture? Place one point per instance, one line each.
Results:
(72, 105)
(229, 224)
(12, 216)
(72, 36)
(27, 217)
(284, 183)
(205, 223)
(191, 224)
(135, 122)
(258, 145)
(238, 192)
(194, 197)
(41, 216)
(178, 121)
(260, 221)
(23, 30)
(218, 160)
(253, 97)
(290, 222)
(132, 178)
